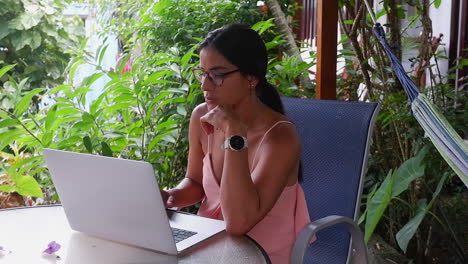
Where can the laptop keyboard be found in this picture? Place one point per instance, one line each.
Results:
(180, 234)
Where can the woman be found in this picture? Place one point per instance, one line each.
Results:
(244, 153)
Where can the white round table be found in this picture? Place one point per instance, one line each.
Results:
(25, 233)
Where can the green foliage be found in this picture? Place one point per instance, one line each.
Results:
(394, 184)
(407, 232)
(15, 177)
(396, 205)
(168, 23)
(284, 71)
(142, 114)
(284, 74)
(34, 36)
(183, 23)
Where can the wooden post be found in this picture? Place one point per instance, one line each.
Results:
(327, 23)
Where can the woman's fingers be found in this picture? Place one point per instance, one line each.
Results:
(165, 196)
(217, 118)
(207, 127)
(168, 198)
(170, 202)
(209, 121)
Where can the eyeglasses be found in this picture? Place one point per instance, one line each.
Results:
(216, 78)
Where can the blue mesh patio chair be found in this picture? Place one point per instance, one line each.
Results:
(335, 138)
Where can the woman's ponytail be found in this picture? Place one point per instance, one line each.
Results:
(268, 95)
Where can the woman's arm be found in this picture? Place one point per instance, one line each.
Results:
(187, 192)
(247, 197)
(190, 190)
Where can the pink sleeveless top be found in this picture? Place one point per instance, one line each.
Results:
(278, 230)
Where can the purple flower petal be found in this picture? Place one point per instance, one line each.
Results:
(52, 247)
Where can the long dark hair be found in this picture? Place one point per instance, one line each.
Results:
(243, 47)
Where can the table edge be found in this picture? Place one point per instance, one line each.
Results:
(31, 207)
(264, 253)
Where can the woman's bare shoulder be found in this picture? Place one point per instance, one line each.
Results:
(195, 129)
(283, 130)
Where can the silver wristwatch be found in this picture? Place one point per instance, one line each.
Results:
(235, 143)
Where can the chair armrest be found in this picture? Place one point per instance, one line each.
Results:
(358, 247)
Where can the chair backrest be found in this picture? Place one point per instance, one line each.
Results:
(335, 139)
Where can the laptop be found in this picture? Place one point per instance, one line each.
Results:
(119, 200)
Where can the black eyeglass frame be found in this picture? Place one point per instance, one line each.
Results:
(202, 77)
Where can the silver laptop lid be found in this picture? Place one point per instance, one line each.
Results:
(112, 198)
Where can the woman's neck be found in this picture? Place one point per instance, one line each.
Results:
(250, 111)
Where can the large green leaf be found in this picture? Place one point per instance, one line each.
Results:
(6, 69)
(4, 30)
(407, 232)
(28, 186)
(23, 104)
(71, 141)
(408, 172)
(73, 67)
(32, 163)
(51, 117)
(119, 106)
(15, 23)
(23, 85)
(106, 150)
(7, 188)
(87, 117)
(10, 136)
(95, 105)
(363, 216)
(124, 98)
(18, 166)
(88, 145)
(47, 138)
(9, 122)
(83, 126)
(262, 26)
(92, 78)
(156, 140)
(50, 30)
(82, 91)
(377, 204)
(155, 76)
(101, 52)
(186, 58)
(30, 19)
(68, 111)
(32, 39)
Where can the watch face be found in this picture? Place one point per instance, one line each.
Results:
(236, 142)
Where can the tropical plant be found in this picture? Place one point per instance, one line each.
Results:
(34, 36)
(141, 114)
(169, 23)
(406, 170)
